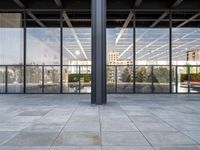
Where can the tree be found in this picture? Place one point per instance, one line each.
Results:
(141, 75)
(126, 75)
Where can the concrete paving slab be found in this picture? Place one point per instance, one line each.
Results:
(123, 138)
(78, 138)
(168, 138)
(75, 148)
(127, 148)
(32, 139)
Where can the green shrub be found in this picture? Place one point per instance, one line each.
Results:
(76, 77)
(193, 77)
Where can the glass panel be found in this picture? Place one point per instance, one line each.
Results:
(152, 38)
(185, 38)
(152, 48)
(186, 49)
(33, 79)
(11, 39)
(161, 79)
(195, 79)
(2, 79)
(85, 79)
(119, 39)
(15, 79)
(111, 78)
(76, 53)
(174, 79)
(43, 46)
(51, 79)
(182, 72)
(71, 79)
(43, 38)
(124, 79)
(143, 77)
(76, 45)
(119, 51)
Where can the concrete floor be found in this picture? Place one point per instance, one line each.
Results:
(127, 122)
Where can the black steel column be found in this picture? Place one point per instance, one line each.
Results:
(98, 95)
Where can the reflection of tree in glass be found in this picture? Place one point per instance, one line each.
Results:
(34, 74)
(2, 75)
(143, 75)
(52, 75)
(15, 74)
(126, 75)
(161, 75)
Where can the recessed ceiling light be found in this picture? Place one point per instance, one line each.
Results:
(77, 52)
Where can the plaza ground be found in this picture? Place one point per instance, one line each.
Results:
(127, 122)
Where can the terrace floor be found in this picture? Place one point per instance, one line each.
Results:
(127, 122)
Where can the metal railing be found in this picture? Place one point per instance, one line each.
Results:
(120, 79)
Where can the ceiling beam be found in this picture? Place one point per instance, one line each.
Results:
(159, 19)
(67, 20)
(190, 19)
(129, 18)
(176, 3)
(35, 18)
(19, 3)
(138, 3)
(58, 3)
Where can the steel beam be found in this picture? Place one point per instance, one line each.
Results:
(98, 95)
(19, 3)
(137, 3)
(35, 18)
(126, 23)
(68, 22)
(190, 19)
(159, 19)
(59, 3)
(177, 3)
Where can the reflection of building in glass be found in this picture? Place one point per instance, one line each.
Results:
(193, 55)
(113, 59)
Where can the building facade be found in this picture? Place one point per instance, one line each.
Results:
(75, 46)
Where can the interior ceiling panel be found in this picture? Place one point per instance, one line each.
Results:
(111, 4)
(79, 11)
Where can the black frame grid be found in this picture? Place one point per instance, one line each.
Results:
(24, 11)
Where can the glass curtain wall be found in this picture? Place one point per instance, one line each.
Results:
(152, 52)
(43, 46)
(138, 52)
(76, 53)
(119, 52)
(11, 52)
(186, 50)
